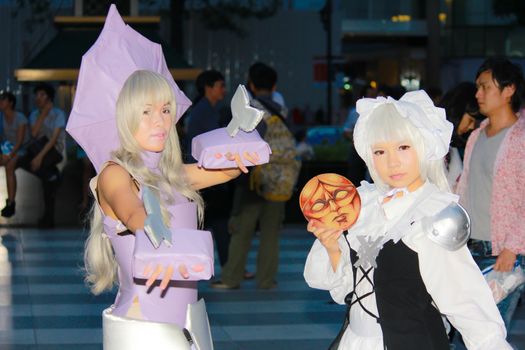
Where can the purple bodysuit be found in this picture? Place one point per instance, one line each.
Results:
(169, 306)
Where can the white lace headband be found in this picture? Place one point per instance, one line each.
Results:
(420, 110)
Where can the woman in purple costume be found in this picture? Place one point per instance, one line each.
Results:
(144, 316)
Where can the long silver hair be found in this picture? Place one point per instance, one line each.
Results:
(140, 88)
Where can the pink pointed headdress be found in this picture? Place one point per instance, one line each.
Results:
(118, 52)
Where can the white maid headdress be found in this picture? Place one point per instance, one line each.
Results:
(420, 110)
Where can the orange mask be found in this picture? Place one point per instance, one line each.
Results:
(331, 199)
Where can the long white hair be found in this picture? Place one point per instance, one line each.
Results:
(385, 124)
(140, 88)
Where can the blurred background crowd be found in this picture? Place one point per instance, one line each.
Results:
(327, 54)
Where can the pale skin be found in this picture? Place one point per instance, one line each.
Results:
(216, 92)
(466, 124)
(9, 115)
(495, 103)
(397, 164)
(45, 105)
(118, 192)
(10, 160)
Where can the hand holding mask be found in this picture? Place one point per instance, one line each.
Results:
(332, 200)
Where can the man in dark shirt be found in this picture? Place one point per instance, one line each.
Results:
(250, 209)
(204, 115)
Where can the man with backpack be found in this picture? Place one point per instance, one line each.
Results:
(260, 196)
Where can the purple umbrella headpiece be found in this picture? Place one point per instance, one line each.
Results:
(118, 52)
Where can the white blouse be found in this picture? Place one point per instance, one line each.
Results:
(452, 278)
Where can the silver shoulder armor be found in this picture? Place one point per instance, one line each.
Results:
(450, 228)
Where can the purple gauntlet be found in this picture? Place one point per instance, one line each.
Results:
(192, 248)
(209, 148)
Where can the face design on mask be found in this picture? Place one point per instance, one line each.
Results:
(332, 200)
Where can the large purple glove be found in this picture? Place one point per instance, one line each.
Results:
(239, 137)
(210, 148)
(190, 251)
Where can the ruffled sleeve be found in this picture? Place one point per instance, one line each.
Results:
(318, 271)
(460, 293)
(319, 274)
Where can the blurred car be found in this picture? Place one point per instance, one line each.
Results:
(328, 143)
(324, 135)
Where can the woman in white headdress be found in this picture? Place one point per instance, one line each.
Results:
(404, 264)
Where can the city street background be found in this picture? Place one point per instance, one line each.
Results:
(44, 304)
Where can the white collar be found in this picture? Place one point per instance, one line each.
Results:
(400, 214)
(397, 206)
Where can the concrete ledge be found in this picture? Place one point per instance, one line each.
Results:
(29, 197)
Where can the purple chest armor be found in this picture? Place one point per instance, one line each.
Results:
(190, 246)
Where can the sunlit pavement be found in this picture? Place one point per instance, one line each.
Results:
(45, 305)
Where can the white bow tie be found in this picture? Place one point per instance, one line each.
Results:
(394, 191)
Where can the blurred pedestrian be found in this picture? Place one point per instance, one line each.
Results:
(435, 93)
(14, 136)
(205, 116)
(356, 166)
(492, 186)
(462, 111)
(44, 150)
(366, 91)
(305, 151)
(278, 98)
(250, 206)
(297, 116)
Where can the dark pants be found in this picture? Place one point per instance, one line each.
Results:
(482, 253)
(248, 210)
(49, 176)
(217, 204)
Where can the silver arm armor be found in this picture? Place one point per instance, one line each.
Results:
(450, 228)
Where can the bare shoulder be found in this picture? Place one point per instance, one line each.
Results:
(113, 178)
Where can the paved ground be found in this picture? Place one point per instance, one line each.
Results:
(44, 304)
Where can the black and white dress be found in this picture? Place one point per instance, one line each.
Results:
(400, 283)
